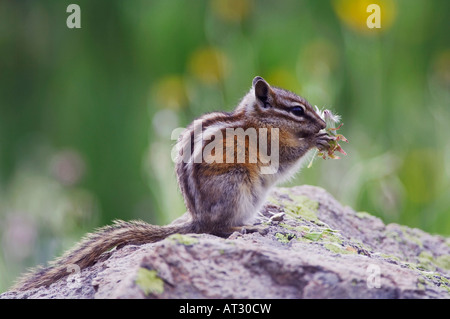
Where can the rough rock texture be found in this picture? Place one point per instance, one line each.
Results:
(319, 249)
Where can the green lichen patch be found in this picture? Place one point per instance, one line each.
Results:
(363, 215)
(421, 283)
(326, 237)
(339, 249)
(314, 236)
(300, 229)
(297, 206)
(443, 262)
(312, 230)
(427, 275)
(411, 236)
(437, 280)
(284, 238)
(303, 207)
(314, 233)
(323, 235)
(425, 259)
(389, 257)
(428, 262)
(149, 282)
(183, 239)
(403, 235)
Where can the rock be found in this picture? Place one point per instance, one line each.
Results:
(316, 249)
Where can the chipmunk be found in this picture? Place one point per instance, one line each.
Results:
(223, 186)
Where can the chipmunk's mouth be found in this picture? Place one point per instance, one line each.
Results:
(308, 134)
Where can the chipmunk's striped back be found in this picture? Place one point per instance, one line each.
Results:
(229, 193)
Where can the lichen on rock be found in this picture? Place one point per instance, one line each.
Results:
(149, 282)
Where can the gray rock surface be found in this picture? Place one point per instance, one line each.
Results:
(318, 249)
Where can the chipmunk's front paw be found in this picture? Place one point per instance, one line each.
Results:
(322, 141)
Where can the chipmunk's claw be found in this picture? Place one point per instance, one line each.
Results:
(248, 229)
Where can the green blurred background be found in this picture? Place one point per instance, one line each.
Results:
(86, 114)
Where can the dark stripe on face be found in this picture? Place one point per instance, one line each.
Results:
(289, 117)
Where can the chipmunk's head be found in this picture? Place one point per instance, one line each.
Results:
(282, 108)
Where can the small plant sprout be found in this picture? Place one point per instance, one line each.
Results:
(331, 120)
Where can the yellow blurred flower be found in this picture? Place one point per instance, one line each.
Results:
(170, 92)
(231, 10)
(209, 65)
(354, 13)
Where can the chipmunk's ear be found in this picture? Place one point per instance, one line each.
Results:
(261, 88)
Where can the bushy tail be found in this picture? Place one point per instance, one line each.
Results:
(90, 248)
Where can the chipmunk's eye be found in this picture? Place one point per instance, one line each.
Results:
(298, 111)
